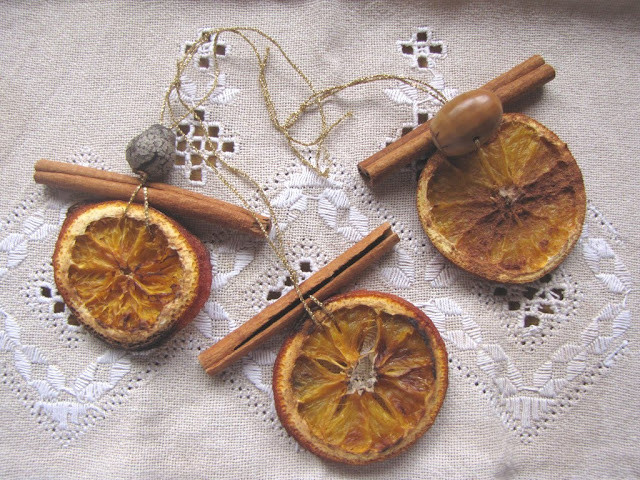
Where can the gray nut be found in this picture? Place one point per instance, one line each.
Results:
(153, 152)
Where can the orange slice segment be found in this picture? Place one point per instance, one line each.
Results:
(364, 382)
(509, 212)
(129, 283)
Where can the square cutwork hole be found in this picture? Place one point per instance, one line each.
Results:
(546, 308)
(305, 266)
(531, 320)
(274, 294)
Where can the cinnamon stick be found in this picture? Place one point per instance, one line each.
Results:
(524, 77)
(288, 308)
(169, 198)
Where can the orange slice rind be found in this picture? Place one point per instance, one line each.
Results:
(364, 383)
(509, 212)
(129, 284)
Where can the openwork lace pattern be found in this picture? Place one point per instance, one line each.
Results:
(528, 350)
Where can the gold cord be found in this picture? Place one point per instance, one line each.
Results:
(142, 185)
(313, 102)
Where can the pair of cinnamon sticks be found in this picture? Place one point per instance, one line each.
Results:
(521, 79)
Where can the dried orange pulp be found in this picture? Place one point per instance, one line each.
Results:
(509, 212)
(130, 284)
(364, 383)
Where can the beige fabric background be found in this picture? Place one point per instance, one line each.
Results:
(78, 80)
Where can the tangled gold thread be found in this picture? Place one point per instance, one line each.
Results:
(314, 101)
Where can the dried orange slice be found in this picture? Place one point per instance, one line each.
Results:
(364, 383)
(130, 284)
(509, 212)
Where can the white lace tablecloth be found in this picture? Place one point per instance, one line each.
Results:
(544, 376)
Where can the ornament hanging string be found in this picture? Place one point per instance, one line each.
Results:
(314, 102)
(142, 176)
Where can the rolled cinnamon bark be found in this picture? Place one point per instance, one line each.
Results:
(418, 143)
(169, 198)
(288, 308)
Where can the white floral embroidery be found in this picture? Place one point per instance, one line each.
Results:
(525, 405)
(238, 253)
